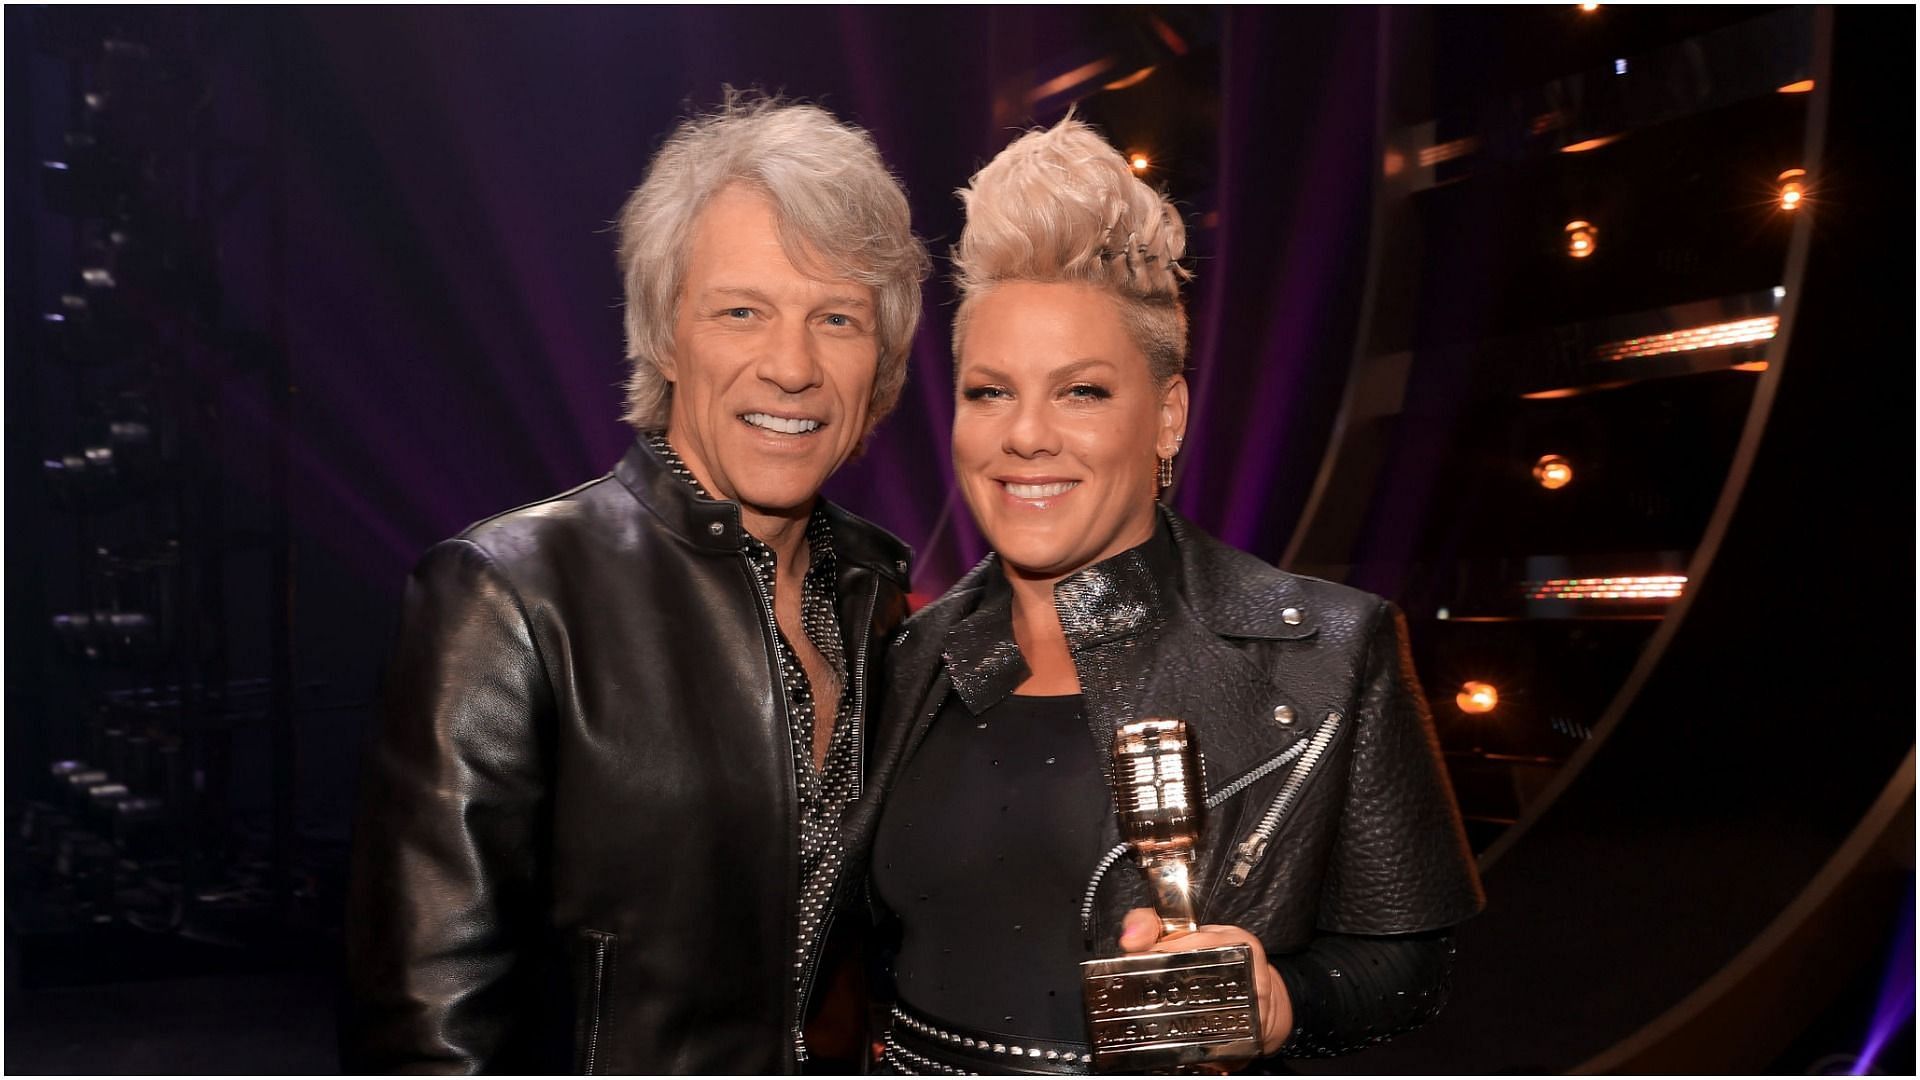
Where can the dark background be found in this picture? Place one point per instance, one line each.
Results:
(398, 312)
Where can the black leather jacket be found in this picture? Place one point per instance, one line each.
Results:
(576, 847)
(1334, 815)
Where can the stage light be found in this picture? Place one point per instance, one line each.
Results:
(1589, 8)
(1477, 697)
(1553, 472)
(1620, 67)
(1447, 151)
(1804, 86)
(1134, 79)
(1582, 238)
(1793, 188)
(1779, 292)
(1712, 336)
(1645, 587)
(1585, 145)
(1140, 162)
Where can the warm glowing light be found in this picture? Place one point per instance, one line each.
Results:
(1582, 237)
(1553, 471)
(1751, 365)
(1589, 8)
(1651, 587)
(1477, 697)
(1589, 144)
(1139, 162)
(1714, 336)
(1804, 86)
(1447, 151)
(1793, 188)
(1061, 83)
(1134, 79)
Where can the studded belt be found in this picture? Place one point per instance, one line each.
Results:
(921, 1045)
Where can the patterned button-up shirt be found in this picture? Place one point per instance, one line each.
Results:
(823, 791)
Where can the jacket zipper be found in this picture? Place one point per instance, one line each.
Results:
(772, 627)
(860, 690)
(597, 1004)
(1213, 801)
(1254, 847)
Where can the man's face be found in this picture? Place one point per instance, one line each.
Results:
(772, 368)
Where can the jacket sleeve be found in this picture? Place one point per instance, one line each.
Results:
(1400, 861)
(1350, 992)
(445, 857)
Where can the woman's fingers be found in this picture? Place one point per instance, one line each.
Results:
(1140, 930)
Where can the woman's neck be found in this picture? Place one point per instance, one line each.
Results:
(1043, 644)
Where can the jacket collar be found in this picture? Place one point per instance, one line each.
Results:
(714, 524)
(1180, 568)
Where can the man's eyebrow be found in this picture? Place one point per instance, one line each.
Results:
(744, 292)
(846, 300)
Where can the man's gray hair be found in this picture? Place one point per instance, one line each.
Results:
(837, 206)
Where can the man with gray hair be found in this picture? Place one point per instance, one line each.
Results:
(618, 770)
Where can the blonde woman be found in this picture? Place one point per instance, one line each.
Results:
(1335, 849)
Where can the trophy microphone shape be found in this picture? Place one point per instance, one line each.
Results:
(1159, 1012)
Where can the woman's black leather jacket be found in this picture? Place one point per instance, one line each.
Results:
(1331, 818)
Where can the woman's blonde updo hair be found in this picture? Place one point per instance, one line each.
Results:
(1061, 205)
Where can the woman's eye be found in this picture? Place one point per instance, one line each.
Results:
(1088, 391)
(983, 393)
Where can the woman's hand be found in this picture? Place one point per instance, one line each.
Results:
(1140, 933)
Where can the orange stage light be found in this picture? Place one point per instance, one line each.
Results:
(1553, 472)
(1647, 587)
(1711, 336)
(1793, 188)
(1589, 144)
(1582, 237)
(1477, 697)
(1139, 162)
(1804, 86)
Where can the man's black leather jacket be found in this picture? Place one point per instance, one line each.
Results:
(576, 847)
(1329, 809)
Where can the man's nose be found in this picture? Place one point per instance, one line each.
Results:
(791, 360)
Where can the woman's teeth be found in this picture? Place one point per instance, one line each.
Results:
(1041, 491)
(781, 423)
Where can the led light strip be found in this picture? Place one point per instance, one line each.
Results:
(1714, 336)
(1654, 587)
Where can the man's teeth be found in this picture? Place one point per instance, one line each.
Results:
(1041, 491)
(781, 423)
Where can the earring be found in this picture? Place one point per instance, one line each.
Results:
(1165, 475)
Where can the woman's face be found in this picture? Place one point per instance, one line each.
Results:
(1058, 427)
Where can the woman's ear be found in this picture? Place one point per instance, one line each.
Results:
(1173, 417)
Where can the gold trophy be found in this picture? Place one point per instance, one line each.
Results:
(1167, 1012)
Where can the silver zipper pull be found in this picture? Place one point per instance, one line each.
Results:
(1246, 857)
(799, 1050)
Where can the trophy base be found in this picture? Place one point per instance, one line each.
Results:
(1172, 1012)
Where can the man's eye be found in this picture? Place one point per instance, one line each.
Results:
(839, 320)
(738, 313)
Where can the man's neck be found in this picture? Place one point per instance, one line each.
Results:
(786, 534)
